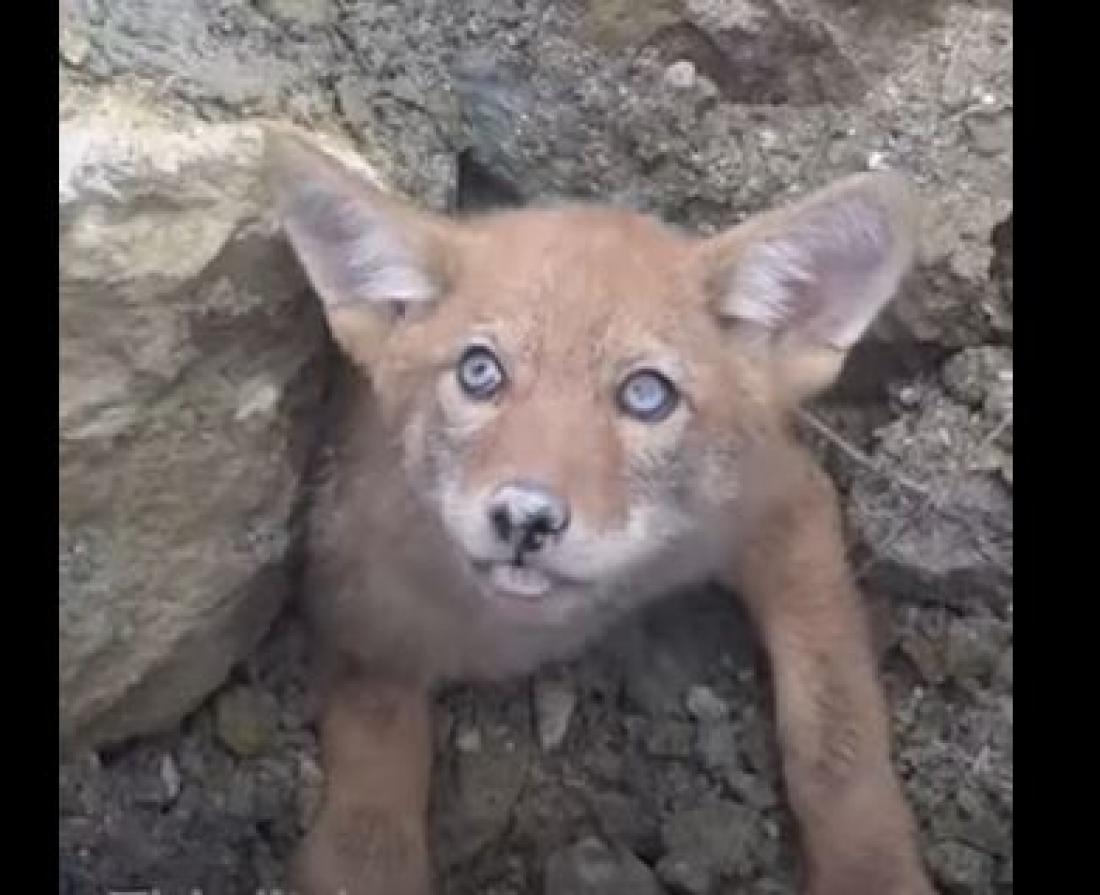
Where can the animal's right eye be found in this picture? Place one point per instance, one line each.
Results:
(479, 373)
(648, 396)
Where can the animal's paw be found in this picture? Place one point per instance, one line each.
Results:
(880, 875)
(360, 854)
(861, 885)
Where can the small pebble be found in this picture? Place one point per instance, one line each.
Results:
(245, 723)
(683, 875)
(170, 776)
(716, 746)
(670, 739)
(590, 867)
(706, 705)
(311, 781)
(909, 396)
(957, 866)
(468, 740)
(555, 702)
(681, 74)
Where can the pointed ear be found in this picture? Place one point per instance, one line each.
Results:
(807, 280)
(369, 257)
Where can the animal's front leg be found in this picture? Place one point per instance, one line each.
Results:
(857, 832)
(369, 835)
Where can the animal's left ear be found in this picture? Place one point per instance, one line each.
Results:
(806, 281)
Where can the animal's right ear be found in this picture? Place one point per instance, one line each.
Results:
(370, 258)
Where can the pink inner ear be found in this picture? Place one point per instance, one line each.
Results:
(354, 252)
(845, 298)
(822, 277)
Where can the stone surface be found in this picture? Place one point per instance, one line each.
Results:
(590, 867)
(705, 705)
(245, 720)
(703, 843)
(189, 355)
(554, 704)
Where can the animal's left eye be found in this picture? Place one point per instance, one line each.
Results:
(648, 396)
(480, 373)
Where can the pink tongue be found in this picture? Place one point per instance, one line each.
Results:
(520, 581)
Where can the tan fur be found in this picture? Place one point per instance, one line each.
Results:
(572, 300)
(370, 834)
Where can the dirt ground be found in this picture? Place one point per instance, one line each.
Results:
(649, 764)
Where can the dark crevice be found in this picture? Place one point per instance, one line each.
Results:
(874, 364)
(1000, 269)
(785, 63)
(480, 188)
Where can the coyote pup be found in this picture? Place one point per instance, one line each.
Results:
(562, 414)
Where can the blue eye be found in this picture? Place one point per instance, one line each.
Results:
(648, 396)
(479, 373)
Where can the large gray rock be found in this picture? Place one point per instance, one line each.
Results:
(189, 352)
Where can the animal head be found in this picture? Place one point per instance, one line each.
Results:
(579, 389)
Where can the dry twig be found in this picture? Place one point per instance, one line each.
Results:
(931, 496)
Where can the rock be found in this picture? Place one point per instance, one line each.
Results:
(591, 867)
(1004, 670)
(668, 650)
(481, 790)
(655, 680)
(554, 704)
(927, 656)
(944, 646)
(260, 793)
(981, 378)
(307, 12)
(310, 790)
(990, 133)
(705, 705)
(1001, 268)
(170, 776)
(757, 745)
(468, 739)
(976, 822)
(716, 745)
(975, 647)
(279, 59)
(628, 820)
(684, 876)
(73, 46)
(751, 788)
(245, 721)
(958, 867)
(703, 843)
(190, 357)
(152, 784)
(681, 74)
(952, 543)
(617, 23)
(669, 739)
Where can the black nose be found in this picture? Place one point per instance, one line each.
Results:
(524, 514)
